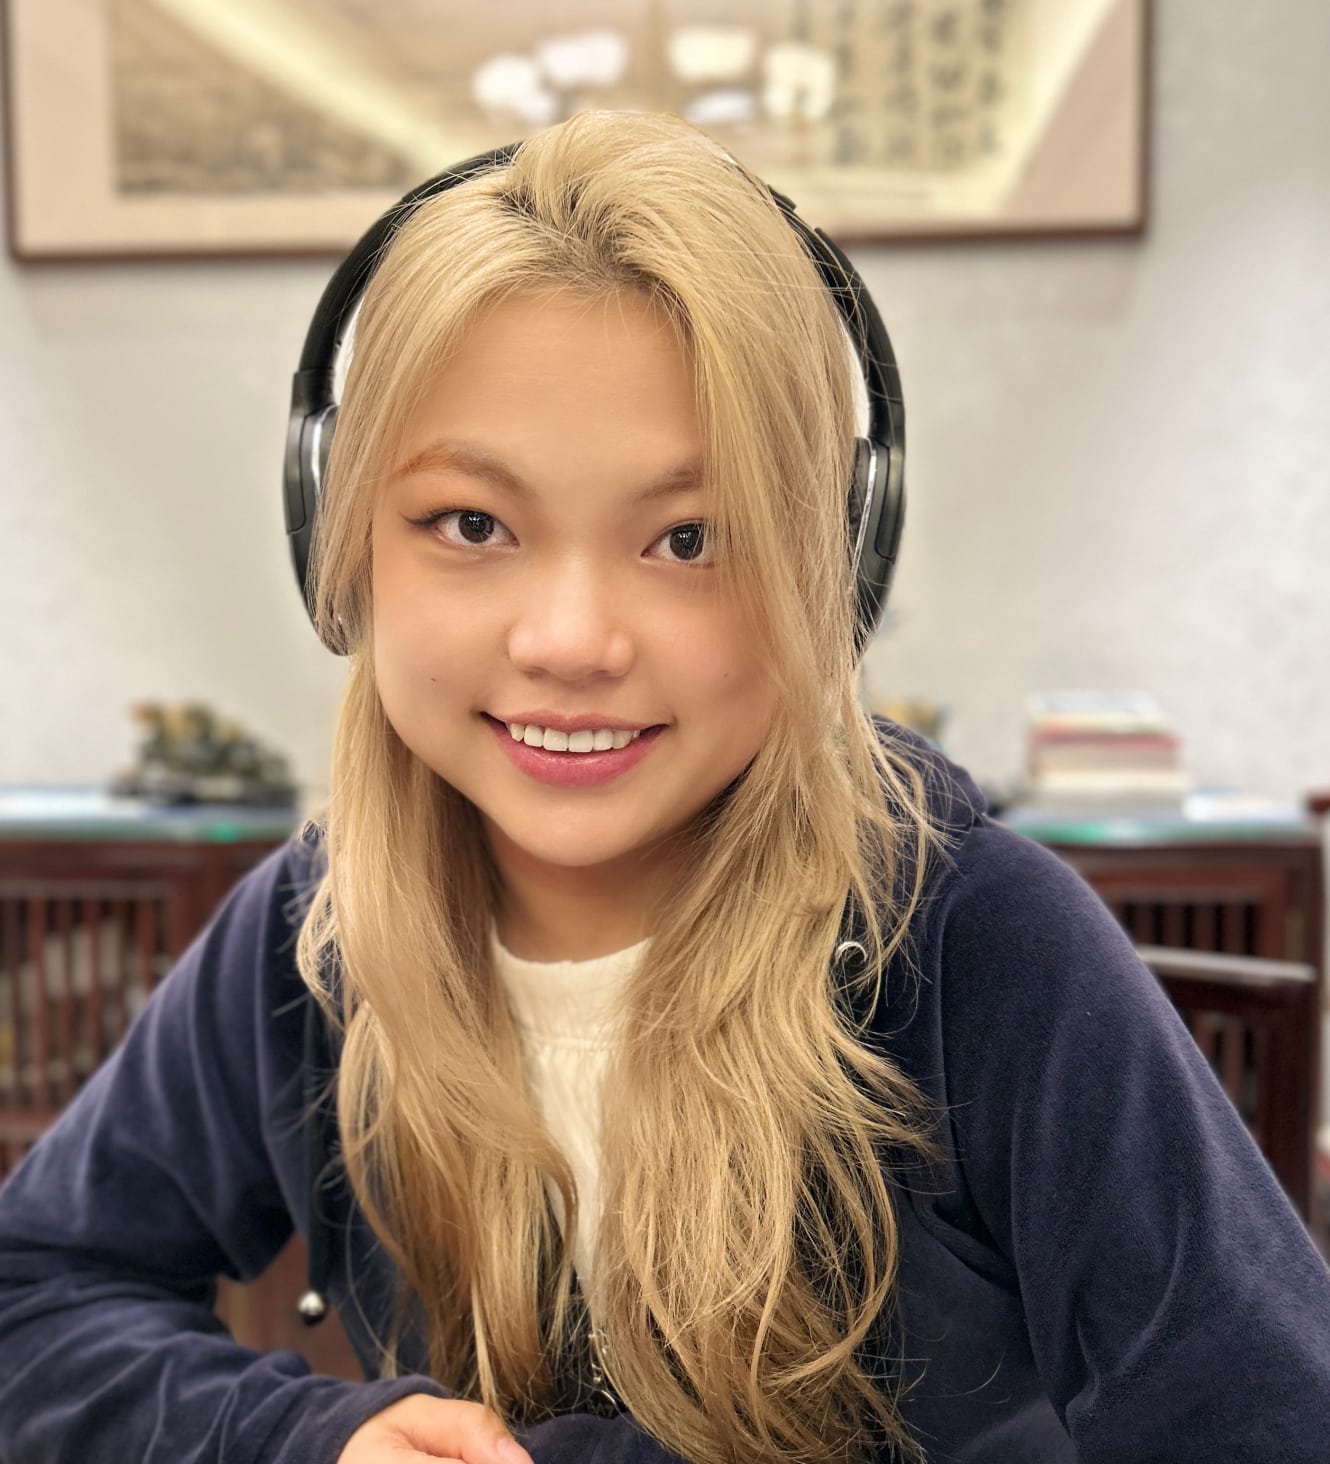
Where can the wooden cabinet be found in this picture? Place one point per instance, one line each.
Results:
(1231, 918)
(98, 899)
(97, 903)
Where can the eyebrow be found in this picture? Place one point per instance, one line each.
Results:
(476, 462)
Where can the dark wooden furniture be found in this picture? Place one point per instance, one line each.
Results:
(1230, 916)
(97, 901)
(98, 898)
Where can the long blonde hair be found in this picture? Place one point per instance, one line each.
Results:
(748, 1244)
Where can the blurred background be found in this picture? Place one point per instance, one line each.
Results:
(1119, 442)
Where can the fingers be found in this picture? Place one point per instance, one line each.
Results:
(451, 1429)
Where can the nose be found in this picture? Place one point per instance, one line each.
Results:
(571, 623)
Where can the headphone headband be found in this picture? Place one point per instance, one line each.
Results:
(875, 504)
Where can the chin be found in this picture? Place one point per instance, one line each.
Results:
(564, 850)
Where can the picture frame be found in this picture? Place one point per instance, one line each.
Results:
(263, 128)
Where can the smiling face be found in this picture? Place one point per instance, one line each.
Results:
(538, 560)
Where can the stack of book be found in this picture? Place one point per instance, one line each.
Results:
(1093, 750)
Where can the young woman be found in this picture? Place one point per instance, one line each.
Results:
(661, 1058)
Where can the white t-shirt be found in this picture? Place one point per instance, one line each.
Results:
(567, 1015)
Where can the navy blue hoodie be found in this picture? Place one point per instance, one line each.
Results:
(1104, 1270)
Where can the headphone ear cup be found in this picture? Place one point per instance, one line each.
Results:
(317, 466)
(858, 498)
(876, 514)
(308, 446)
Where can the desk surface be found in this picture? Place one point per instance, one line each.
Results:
(81, 813)
(1211, 817)
(88, 813)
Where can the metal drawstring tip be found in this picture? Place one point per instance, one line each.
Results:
(850, 957)
(312, 1308)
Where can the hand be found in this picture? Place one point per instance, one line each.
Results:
(421, 1427)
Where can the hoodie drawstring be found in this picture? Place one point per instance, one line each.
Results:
(313, 1305)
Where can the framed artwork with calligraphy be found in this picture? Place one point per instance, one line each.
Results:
(222, 127)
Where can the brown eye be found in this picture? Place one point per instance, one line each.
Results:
(686, 543)
(465, 528)
(475, 527)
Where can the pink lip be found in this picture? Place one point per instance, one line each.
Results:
(574, 769)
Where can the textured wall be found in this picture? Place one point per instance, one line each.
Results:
(1120, 452)
(1118, 459)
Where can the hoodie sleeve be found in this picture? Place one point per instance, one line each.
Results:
(1177, 1310)
(155, 1180)
(183, 1158)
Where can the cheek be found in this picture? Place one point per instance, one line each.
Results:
(410, 626)
(411, 655)
(721, 667)
(418, 665)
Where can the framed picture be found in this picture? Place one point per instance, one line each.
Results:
(224, 127)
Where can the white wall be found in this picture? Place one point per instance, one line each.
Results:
(142, 547)
(1120, 452)
(1120, 459)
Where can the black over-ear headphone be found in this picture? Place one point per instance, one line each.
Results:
(875, 503)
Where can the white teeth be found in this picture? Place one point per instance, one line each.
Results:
(600, 740)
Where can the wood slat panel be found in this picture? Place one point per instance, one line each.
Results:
(39, 1014)
(75, 966)
(121, 945)
(145, 927)
(87, 929)
(94, 1016)
(1260, 1061)
(1232, 1062)
(1142, 923)
(9, 1002)
(1202, 1028)
(1233, 930)
(62, 1060)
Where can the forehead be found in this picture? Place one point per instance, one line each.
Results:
(576, 337)
(559, 373)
